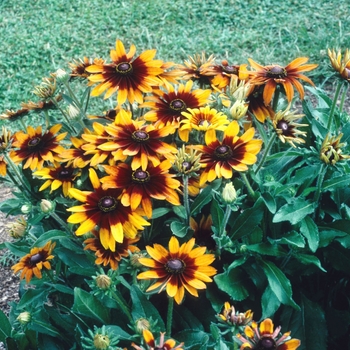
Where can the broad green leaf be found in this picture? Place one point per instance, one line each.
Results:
(50, 236)
(159, 212)
(5, 327)
(193, 339)
(310, 231)
(248, 220)
(33, 297)
(269, 303)
(90, 306)
(292, 238)
(232, 283)
(279, 283)
(201, 200)
(119, 332)
(309, 259)
(179, 229)
(339, 257)
(266, 249)
(270, 202)
(180, 211)
(294, 211)
(217, 213)
(256, 236)
(337, 182)
(143, 308)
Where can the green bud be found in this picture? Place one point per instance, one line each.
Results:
(229, 193)
(24, 317)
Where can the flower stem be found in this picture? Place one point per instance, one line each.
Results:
(60, 221)
(275, 99)
(249, 187)
(320, 178)
(186, 199)
(227, 215)
(346, 87)
(267, 150)
(335, 99)
(122, 305)
(169, 318)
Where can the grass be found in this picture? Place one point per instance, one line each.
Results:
(41, 36)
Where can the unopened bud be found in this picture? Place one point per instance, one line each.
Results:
(141, 325)
(24, 317)
(229, 193)
(239, 109)
(46, 206)
(18, 228)
(103, 281)
(26, 208)
(101, 342)
(61, 75)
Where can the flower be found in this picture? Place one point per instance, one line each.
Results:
(35, 147)
(130, 78)
(201, 119)
(340, 63)
(232, 153)
(102, 208)
(46, 89)
(37, 260)
(76, 156)
(18, 228)
(141, 142)
(139, 186)
(230, 316)
(57, 176)
(266, 338)
(167, 106)
(41, 105)
(14, 115)
(331, 150)
(257, 106)
(105, 256)
(178, 269)
(202, 232)
(148, 337)
(3, 166)
(187, 161)
(78, 67)
(274, 75)
(286, 128)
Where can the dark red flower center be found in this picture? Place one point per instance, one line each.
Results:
(34, 141)
(186, 165)
(223, 152)
(175, 266)
(140, 136)
(277, 72)
(107, 204)
(202, 121)
(284, 127)
(124, 68)
(36, 258)
(111, 113)
(266, 343)
(140, 176)
(65, 173)
(178, 105)
(230, 69)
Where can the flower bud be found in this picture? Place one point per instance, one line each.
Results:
(26, 208)
(141, 325)
(18, 228)
(134, 259)
(73, 111)
(101, 342)
(103, 281)
(24, 317)
(229, 193)
(46, 206)
(239, 109)
(61, 75)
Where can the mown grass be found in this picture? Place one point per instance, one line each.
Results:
(39, 36)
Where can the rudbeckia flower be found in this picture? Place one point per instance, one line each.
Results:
(131, 78)
(230, 316)
(3, 166)
(202, 232)
(265, 338)
(288, 77)
(340, 63)
(220, 158)
(167, 106)
(38, 259)
(163, 344)
(35, 147)
(178, 269)
(102, 208)
(139, 186)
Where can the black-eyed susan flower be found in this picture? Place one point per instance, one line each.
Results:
(17, 229)
(40, 106)
(107, 257)
(140, 186)
(340, 63)
(288, 77)
(167, 105)
(57, 176)
(266, 338)
(33, 263)
(178, 269)
(102, 208)
(286, 127)
(202, 232)
(201, 119)
(163, 344)
(76, 156)
(257, 106)
(12, 115)
(139, 141)
(220, 158)
(3, 166)
(78, 67)
(230, 316)
(35, 147)
(331, 150)
(129, 77)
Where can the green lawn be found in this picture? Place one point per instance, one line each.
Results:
(39, 36)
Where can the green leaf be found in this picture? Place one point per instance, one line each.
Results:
(5, 327)
(309, 259)
(266, 249)
(159, 212)
(270, 202)
(49, 236)
(90, 306)
(143, 308)
(179, 229)
(292, 238)
(217, 213)
(294, 211)
(117, 331)
(337, 182)
(201, 200)
(339, 257)
(269, 303)
(193, 339)
(279, 283)
(232, 283)
(310, 231)
(248, 220)
(33, 297)
(180, 211)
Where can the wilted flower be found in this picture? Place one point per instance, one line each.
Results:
(187, 161)
(230, 316)
(17, 229)
(151, 344)
(331, 150)
(14, 115)
(340, 63)
(46, 89)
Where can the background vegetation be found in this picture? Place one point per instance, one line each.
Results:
(39, 36)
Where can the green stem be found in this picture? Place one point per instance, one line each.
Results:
(64, 116)
(227, 215)
(320, 178)
(122, 305)
(335, 99)
(60, 221)
(267, 150)
(72, 313)
(186, 199)
(249, 187)
(346, 87)
(275, 99)
(169, 318)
